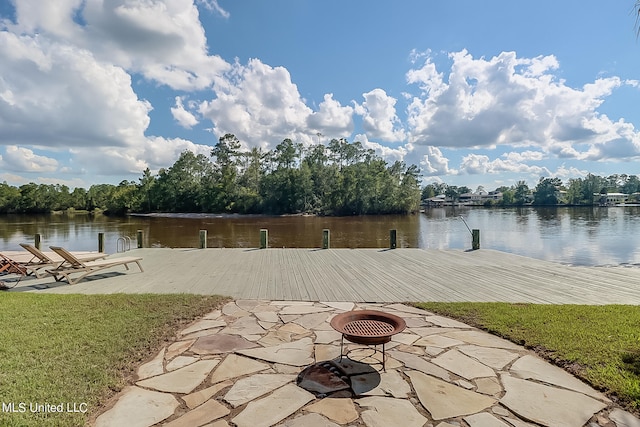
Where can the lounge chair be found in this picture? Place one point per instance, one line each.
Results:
(40, 261)
(73, 265)
(9, 266)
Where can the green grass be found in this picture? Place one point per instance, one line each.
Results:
(600, 344)
(81, 348)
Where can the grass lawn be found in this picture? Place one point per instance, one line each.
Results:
(600, 344)
(79, 349)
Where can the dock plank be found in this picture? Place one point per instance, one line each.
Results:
(360, 275)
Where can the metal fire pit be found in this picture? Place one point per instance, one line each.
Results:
(368, 327)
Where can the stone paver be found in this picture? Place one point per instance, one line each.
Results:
(234, 366)
(207, 412)
(273, 408)
(239, 366)
(462, 365)
(341, 411)
(444, 400)
(153, 367)
(183, 380)
(484, 419)
(386, 411)
(295, 353)
(139, 408)
(546, 405)
(530, 367)
(310, 420)
(249, 388)
(624, 419)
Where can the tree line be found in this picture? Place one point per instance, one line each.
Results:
(548, 191)
(340, 178)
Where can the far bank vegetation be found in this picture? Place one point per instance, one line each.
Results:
(339, 178)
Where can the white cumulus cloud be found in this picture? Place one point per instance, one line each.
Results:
(332, 119)
(379, 118)
(20, 159)
(260, 105)
(507, 100)
(162, 39)
(434, 163)
(66, 97)
(389, 154)
(185, 118)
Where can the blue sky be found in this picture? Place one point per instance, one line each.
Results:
(474, 93)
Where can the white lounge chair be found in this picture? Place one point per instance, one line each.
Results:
(72, 265)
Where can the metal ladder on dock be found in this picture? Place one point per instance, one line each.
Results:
(126, 244)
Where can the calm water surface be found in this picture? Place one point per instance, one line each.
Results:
(579, 236)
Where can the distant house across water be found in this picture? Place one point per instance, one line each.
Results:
(612, 199)
(465, 199)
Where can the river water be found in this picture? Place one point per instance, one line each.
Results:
(578, 236)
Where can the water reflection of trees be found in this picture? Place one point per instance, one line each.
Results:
(569, 234)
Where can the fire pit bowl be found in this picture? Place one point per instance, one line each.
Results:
(368, 327)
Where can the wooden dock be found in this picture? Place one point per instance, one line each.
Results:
(359, 275)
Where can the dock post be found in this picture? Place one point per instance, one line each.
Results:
(101, 242)
(393, 234)
(139, 238)
(38, 241)
(203, 239)
(475, 239)
(264, 238)
(326, 242)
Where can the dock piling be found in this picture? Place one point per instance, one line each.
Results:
(203, 239)
(101, 242)
(475, 239)
(139, 238)
(393, 234)
(38, 241)
(326, 242)
(264, 238)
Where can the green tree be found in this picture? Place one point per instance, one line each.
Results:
(98, 196)
(79, 198)
(521, 193)
(574, 191)
(322, 177)
(249, 199)
(123, 198)
(592, 186)
(508, 197)
(9, 198)
(452, 193)
(631, 185)
(285, 154)
(222, 188)
(180, 188)
(410, 190)
(547, 191)
(145, 187)
(428, 191)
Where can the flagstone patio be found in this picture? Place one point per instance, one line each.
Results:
(238, 366)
